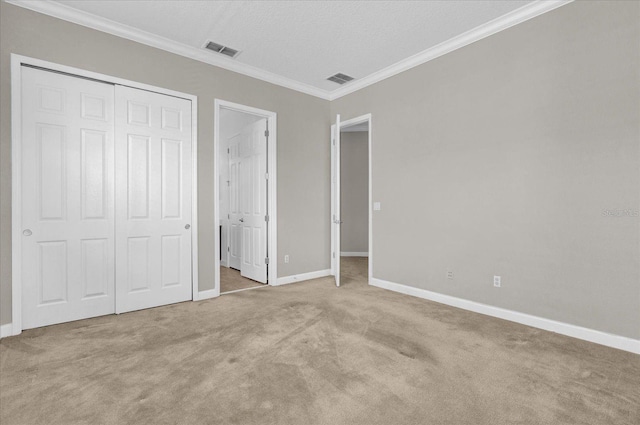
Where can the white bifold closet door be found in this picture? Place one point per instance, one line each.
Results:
(105, 198)
(67, 198)
(153, 199)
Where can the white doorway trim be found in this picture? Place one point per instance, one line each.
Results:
(348, 123)
(272, 228)
(16, 172)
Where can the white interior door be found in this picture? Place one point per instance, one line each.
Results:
(67, 198)
(235, 215)
(153, 199)
(253, 200)
(335, 198)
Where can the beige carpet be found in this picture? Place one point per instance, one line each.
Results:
(230, 280)
(311, 353)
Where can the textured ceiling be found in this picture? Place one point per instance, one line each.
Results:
(307, 41)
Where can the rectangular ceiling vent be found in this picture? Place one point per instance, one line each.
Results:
(340, 78)
(219, 48)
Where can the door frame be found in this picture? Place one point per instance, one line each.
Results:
(16, 170)
(272, 210)
(348, 123)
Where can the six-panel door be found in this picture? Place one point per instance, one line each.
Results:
(253, 200)
(153, 199)
(67, 198)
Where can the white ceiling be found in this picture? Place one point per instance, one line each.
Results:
(299, 43)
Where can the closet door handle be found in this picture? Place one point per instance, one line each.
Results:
(187, 226)
(241, 220)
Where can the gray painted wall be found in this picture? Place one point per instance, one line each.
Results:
(354, 200)
(303, 133)
(502, 158)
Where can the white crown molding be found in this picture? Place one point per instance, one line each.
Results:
(76, 16)
(66, 13)
(586, 334)
(504, 22)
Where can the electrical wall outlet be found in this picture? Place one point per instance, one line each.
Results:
(286, 258)
(496, 281)
(449, 274)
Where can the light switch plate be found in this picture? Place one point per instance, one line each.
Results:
(376, 206)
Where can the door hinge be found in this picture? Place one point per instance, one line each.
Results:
(266, 176)
(334, 142)
(228, 249)
(266, 133)
(228, 216)
(266, 260)
(228, 152)
(334, 254)
(266, 218)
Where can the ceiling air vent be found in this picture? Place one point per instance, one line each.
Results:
(219, 48)
(340, 78)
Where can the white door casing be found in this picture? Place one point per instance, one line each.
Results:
(153, 199)
(235, 215)
(253, 200)
(67, 210)
(335, 197)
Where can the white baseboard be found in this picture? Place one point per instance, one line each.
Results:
(354, 254)
(591, 335)
(302, 277)
(205, 295)
(6, 330)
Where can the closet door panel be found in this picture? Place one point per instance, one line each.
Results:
(67, 179)
(153, 195)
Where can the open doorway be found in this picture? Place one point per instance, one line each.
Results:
(245, 207)
(351, 201)
(354, 194)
